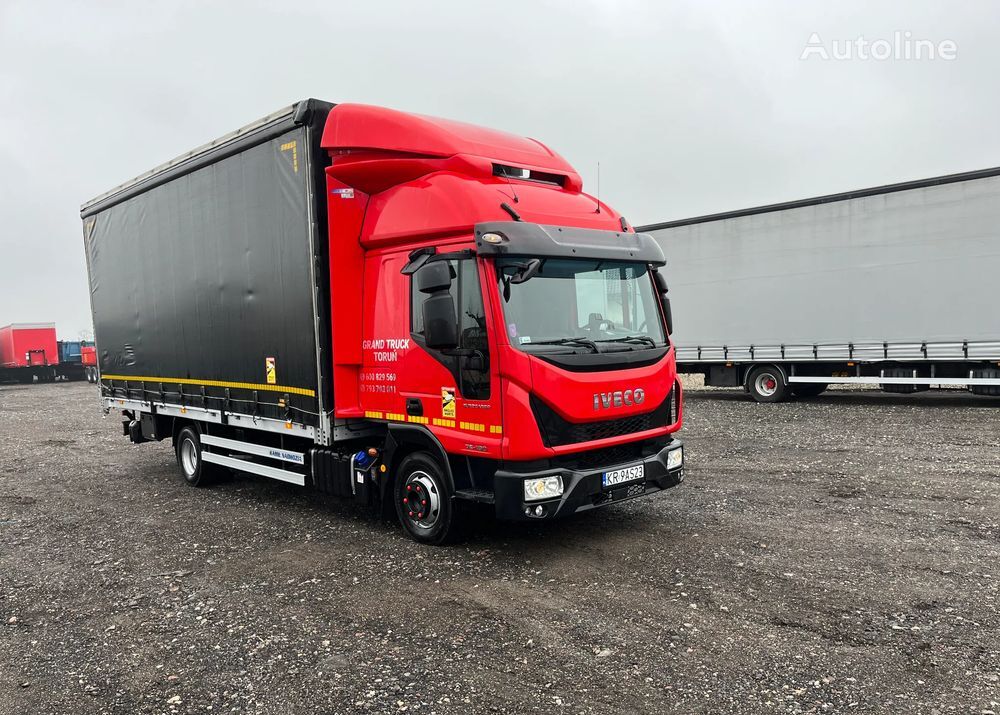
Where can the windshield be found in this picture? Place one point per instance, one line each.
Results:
(590, 304)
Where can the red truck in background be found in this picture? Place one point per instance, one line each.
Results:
(404, 310)
(88, 359)
(30, 352)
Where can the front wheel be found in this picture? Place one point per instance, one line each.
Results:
(424, 499)
(766, 384)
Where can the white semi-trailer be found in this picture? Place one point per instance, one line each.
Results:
(894, 286)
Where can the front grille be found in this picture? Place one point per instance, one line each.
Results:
(606, 457)
(557, 431)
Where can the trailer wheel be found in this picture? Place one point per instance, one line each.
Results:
(424, 500)
(188, 447)
(809, 389)
(767, 384)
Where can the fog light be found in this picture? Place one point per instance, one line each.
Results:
(675, 459)
(539, 510)
(543, 488)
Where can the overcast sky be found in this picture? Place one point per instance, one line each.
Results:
(690, 107)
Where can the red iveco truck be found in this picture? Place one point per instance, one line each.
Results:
(411, 312)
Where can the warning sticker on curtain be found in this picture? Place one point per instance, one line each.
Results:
(270, 371)
(448, 402)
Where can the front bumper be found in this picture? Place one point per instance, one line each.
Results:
(582, 489)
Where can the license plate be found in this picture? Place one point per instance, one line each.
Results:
(625, 474)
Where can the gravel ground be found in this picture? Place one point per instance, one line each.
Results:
(833, 555)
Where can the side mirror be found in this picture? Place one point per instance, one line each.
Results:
(667, 314)
(476, 361)
(434, 277)
(661, 288)
(661, 282)
(440, 320)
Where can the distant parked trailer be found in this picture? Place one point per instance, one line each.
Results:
(75, 360)
(893, 286)
(88, 357)
(28, 351)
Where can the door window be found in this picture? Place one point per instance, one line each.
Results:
(472, 365)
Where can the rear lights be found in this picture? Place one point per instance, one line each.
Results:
(543, 488)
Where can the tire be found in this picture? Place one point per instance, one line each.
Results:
(986, 390)
(194, 469)
(809, 389)
(767, 384)
(423, 500)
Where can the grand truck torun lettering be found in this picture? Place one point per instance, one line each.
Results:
(407, 311)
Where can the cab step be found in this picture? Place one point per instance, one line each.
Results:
(477, 495)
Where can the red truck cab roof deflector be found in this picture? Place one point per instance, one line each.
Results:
(356, 135)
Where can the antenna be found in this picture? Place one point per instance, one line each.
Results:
(598, 188)
(512, 189)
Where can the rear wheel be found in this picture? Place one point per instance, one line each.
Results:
(767, 384)
(195, 470)
(809, 389)
(424, 499)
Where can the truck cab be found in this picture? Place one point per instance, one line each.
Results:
(508, 330)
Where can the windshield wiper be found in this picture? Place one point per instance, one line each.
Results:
(568, 341)
(631, 339)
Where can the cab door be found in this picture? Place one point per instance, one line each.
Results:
(457, 390)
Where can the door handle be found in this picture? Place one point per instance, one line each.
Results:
(414, 406)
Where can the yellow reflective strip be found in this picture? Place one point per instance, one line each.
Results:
(214, 383)
(417, 419)
(371, 414)
(395, 416)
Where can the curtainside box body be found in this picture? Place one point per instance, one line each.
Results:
(904, 273)
(208, 281)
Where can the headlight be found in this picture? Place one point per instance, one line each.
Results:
(544, 488)
(675, 459)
